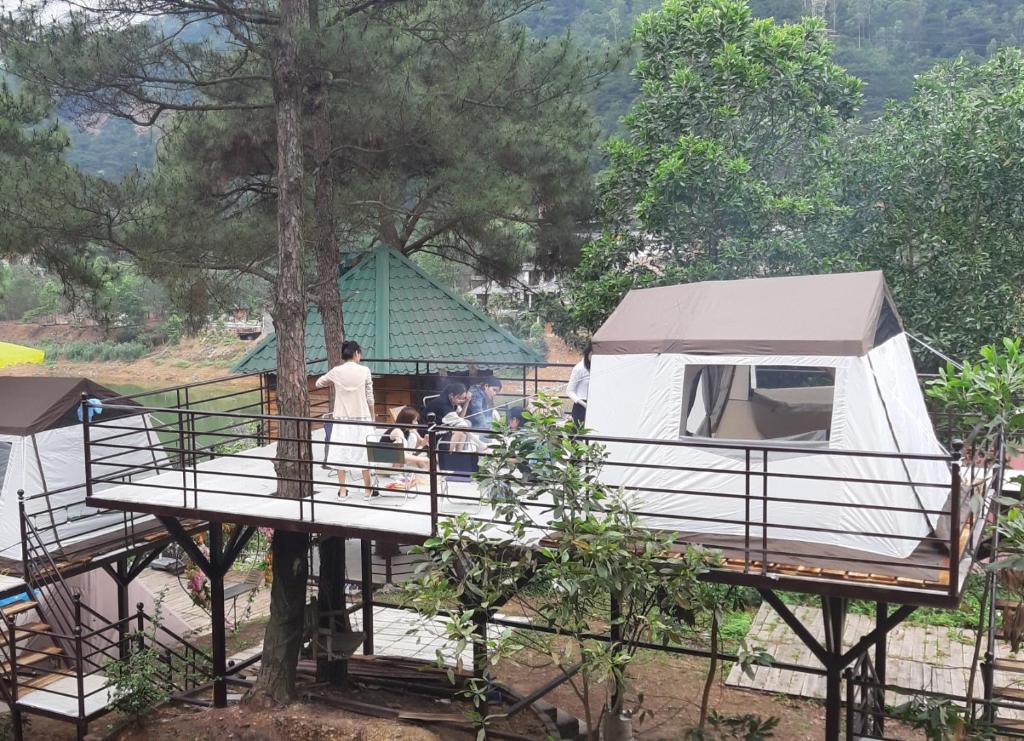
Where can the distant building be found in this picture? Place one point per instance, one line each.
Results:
(530, 281)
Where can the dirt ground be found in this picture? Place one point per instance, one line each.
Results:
(671, 687)
(192, 360)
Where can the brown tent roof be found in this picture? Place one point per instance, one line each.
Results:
(31, 405)
(837, 314)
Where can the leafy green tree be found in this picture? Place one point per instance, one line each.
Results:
(934, 194)
(718, 174)
(595, 553)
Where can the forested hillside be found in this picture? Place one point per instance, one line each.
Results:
(883, 42)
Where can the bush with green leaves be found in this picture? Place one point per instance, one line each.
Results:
(734, 728)
(941, 719)
(565, 547)
(988, 394)
(138, 683)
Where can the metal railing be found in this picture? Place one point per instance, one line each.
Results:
(763, 534)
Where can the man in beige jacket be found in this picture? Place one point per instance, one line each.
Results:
(353, 400)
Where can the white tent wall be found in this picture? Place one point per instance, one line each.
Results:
(22, 473)
(61, 465)
(101, 592)
(640, 396)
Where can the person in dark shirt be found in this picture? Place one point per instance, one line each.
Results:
(453, 398)
(480, 412)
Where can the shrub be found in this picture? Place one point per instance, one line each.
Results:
(137, 683)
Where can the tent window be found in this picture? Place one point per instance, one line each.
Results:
(888, 324)
(5, 456)
(740, 402)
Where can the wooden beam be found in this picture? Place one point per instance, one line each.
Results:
(185, 541)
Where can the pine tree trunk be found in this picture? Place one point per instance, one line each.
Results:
(327, 294)
(283, 636)
(325, 240)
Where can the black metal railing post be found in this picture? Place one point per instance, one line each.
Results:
(140, 625)
(86, 445)
(80, 676)
(22, 525)
(850, 702)
(746, 518)
(954, 519)
(432, 462)
(12, 642)
(764, 511)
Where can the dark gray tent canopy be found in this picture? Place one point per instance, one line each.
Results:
(31, 405)
(843, 314)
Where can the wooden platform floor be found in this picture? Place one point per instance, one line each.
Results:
(930, 658)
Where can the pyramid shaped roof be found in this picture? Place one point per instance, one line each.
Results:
(395, 310)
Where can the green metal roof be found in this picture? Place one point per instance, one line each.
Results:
(395, 310)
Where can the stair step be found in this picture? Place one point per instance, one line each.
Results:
(34, 656)
(1007, 725)
(1001, 603)
(22, 631)
(16, 608)
(40, 681)
(1009, 665)
(1010, 693)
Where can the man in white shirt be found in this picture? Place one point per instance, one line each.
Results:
(579, 387)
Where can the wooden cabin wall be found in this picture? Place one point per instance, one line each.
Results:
(389, 392)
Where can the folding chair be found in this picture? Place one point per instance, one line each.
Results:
(456, 466)
(384, 452)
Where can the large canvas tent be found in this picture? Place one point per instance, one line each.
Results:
(42, 452)
(812, 363)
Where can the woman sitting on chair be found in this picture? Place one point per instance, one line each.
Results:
(409, 438)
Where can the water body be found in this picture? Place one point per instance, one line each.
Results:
(206, 427)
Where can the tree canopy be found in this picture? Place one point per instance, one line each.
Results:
(717, 174)
(935, 197)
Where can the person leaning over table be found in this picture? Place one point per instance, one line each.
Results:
(353, 400)
(579, 386)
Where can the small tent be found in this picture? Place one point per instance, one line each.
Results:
(811, 363)
(42, 452)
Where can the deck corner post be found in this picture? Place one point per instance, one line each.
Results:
(366, 571)
(218, 635)
(988, 684)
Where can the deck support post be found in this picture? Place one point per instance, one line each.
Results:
(331, 604)
(218, 635)
(881, 654)
(833, 613)
(122, 608)
(366, 568)
(123, 573)
(831, 654)
(215, 566)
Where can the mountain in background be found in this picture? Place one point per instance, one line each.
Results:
(112, 148)
(884, 42)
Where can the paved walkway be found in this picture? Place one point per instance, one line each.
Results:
(919, 657)
(398, 633)
(177, 601)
